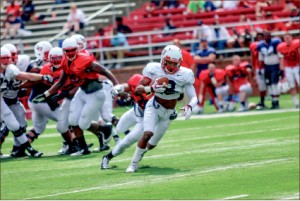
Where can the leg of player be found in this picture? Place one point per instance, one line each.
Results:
(292, 75)
(260, 79)
(245, 90)
(103, 133)
(221, 92)
(3, 134)
(132, 137)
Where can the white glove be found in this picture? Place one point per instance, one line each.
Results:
(159, 88)
(187, 111)
(48, 79)
(117, 89)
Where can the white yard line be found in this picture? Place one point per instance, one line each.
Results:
(236, 114)
(161, 178)
(50, 135)
(291, 197)
(235, 197)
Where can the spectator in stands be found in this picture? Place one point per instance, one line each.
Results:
(219, 37)
(13, 8)
(195, 6)
(209, 6)
(75, 20)
(260, 27)
(168, 26)
(260, 4)
(230, 5)
(29, 14)
(14, 27)
(203, 32)
(295, 13)
(277, 26)
(122, 27)
(96, 43)
(61, 1)
(118, 40)
(289, 5)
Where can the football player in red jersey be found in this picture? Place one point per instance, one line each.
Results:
(85, 106)
(290, 63)
(132, 117)
(214, 80)
(238, 74)
(82, 45)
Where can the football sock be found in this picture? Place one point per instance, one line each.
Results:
(295, 100)
(137, 154)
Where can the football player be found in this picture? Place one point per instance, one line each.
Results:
(133, 117)
(239, 73)
(10, 96)
(82, 71)
(259, 72)
(9, 72)
(214, 80)
(160, 109)
(269, 60)
(290, 63)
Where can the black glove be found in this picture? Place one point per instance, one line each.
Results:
(39, 98)
(280, 74)
(58, 97)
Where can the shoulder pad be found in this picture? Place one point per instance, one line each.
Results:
(11, 72)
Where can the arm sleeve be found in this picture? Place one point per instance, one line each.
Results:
(148, 72)
(190, 90)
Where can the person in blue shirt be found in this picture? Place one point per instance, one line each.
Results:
(269, 59)
(202, 58)
(118, 40)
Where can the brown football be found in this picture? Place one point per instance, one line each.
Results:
(161, 81)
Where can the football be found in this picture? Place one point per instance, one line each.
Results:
(161, 81)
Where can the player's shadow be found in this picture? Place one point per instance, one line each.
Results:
(158, 170)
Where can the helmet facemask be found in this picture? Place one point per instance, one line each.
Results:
(71, 53)
(170, 66)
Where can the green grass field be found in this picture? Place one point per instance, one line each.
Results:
(241, 157)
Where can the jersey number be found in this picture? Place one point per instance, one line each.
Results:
(170, 89)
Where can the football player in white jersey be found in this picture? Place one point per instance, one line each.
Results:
(10, 96)
(160, 109)
(9, 72)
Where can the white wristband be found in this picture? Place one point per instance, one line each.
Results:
(46, 94)
(147, 89)
(213, 80)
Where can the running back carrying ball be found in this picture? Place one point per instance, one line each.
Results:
(158, 85)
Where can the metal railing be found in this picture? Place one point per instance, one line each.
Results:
(150, 46)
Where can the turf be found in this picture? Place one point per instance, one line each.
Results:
(254, 156)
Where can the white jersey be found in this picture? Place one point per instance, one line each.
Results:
(23, 62)
(8, 77)
(177, 81)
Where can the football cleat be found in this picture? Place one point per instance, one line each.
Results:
(63, 149)
(104, 163)
(81, 152)
(260, 106)
(106, 133)
(35, 153)
(132, 168)
(2, 156)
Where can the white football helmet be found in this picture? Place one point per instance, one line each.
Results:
(55, 57)
(5, 57)
(70, 48)
(171, 58)
(41, 50)
(14, 52)
(80, 41)
(283, 86)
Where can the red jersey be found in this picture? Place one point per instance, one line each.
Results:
(187, 59)
(290, 53)
(77, 71)
(254, 54)
(237, 75)
(219, 74)
(140, 99)
(85, 51)
(54, 72)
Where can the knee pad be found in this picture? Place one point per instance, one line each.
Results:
(35, 135)
(18, 132)
(114, 120)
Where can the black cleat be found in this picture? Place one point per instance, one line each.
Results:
(101, 148)
(106, 133)
(260, 106)
(35, 153)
